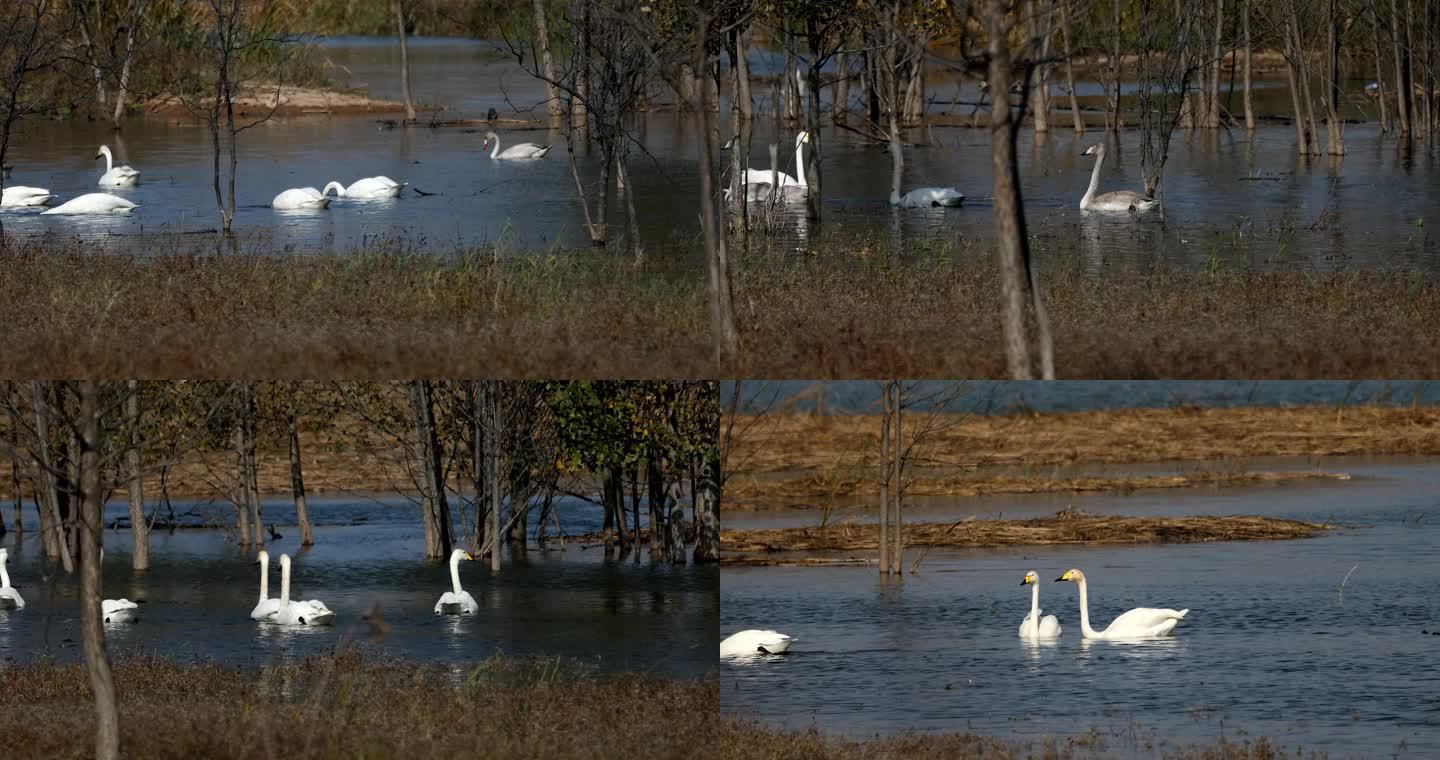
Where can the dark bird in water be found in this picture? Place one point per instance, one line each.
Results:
(274, 534)
(492, 115)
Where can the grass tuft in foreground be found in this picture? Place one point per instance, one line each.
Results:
(350, 707)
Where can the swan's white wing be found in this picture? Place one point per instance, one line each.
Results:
(1049, 627)
(932, 196)
(753, 642)
(265, 610)
(374, 187)
(763, 177)
(11, 599)
(93, 203)
(525, 150)
(119, 610)
(1145, 621)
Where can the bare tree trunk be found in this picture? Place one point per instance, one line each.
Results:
(1070, 67)
(479, 464)
(53, 534)
(812, 125)
(884, 559)
(252, 491)
(742, 75)
(676, 542)
(1334, 130)
(404, 60)
(841, 107)
(1112, 120)
(1249, 106)
(579, 106)
(1307, 99)
(139, 528)
(496, 434)
(707, 511)
(655, 490)
(1379, 70)
(428, 471)
(722, 303)
(241, 494)
(897, 484)
(132, 30)
(297, 479)
(1039, 97)
(12, 399)
(1009, 213)
(97, 662)
(547, 62)
(1402, 80)
(1212, 109)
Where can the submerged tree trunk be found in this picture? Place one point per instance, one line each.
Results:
(1402, 69)
(707, 511)
(52, 522)
(1212, 108)
(428, 472)
(1379, 69)
(897, 483)
(1112, 121)
(97, 662)
(132, 29)
(722, 302)
(742, 75)
(13, 404)
(297, 480)
(496, 434)
(252, 491)
(884, 558)
(841, 107)
(139, 528)
(655, 495)
(675, 542)
(1335, 141)
(241, 493)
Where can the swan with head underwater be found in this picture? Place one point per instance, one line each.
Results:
(20, 196)
(1120, 200)
(369, 188)
(519, 150)
(311, 612)
(457, 601)
(1034, 627)
(115, 176)
(93, 204)
(10, 598)
(118, 610)
(1139, 623)
(301, 198)
(755, 642)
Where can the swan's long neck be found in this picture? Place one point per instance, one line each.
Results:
(800, 162)
(4, 574)
(1084, 600)
(495, 151)
(1090, 193)
(109, 165)
(455, 573)
(1035, 609)
(285, 585)
(264, 577)
(339, 189)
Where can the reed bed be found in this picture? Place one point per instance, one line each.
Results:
(349, 707)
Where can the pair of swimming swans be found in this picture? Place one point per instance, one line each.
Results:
(1139, 623)
(282, 610)
(369, 188)
(1120, 200)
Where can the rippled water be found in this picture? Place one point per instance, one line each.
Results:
(1232, 201)
(1270, 647)
(201, 587)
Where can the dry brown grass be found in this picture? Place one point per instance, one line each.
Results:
(70, 310)
(348, 708)
(797, 460)
(1064, 528)
(746, 739)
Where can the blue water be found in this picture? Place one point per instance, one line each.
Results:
(1270, 647)
(624, 614)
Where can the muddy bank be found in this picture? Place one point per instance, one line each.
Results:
(293, 100)
(797, 460)
(752, 547)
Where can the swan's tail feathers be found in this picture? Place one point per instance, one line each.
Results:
(1181, 614)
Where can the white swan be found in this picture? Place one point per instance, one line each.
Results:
(758, 181)
(1034, 627)
(267, 607)
(10, 599)
(1139, 623)
(312, 612)
(1120, 200)
(300, 198)
(456, 601)
(119, 611)
(521, 150)
(115, 176)
(17, 196)
(94, 203)
(368, 188)
(755, 642)
(927, 197)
